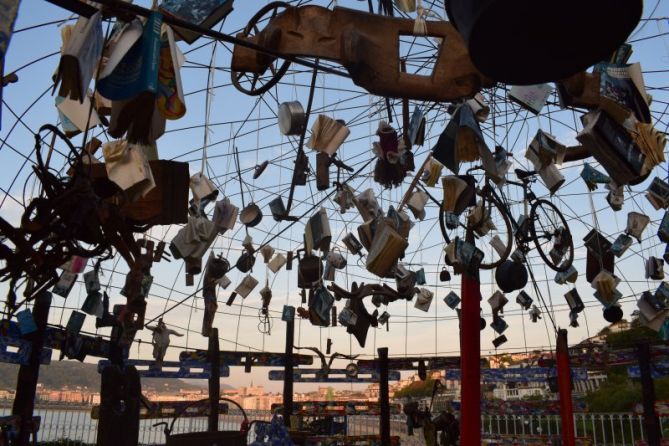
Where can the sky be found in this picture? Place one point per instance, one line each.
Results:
(249, 123)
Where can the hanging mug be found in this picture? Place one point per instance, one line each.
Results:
(336, 259)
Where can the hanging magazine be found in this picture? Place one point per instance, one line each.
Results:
(136, 75)
(205, 13)
(133, 86)
(624, 85)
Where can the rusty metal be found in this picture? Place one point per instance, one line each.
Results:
(67, 215)
(352, 38)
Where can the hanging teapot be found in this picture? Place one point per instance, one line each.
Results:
(245, 262)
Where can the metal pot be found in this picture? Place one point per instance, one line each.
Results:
(292, 118)
(507, 39)
(251, 215)
(245, 262)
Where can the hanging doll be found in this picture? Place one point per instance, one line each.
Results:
(161, 340)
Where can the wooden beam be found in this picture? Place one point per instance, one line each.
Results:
(214, 380)
(288, 371)
(26, 383)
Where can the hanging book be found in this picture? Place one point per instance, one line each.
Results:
(531, 97)
(80, 57)
(171, 103)
(75, 322)
(204, 13)
(133, 85)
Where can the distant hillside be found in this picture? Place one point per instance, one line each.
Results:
(73, 373)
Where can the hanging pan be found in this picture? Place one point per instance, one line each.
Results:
(250, 215)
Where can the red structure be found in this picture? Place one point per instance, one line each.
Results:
(564, 386)
(470, 362)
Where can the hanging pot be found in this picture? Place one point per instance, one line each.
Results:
(245, 262)
(517, 42)
(292, 118)
(251, 215)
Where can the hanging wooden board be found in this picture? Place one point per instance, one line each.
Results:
(17, 351)
(170, 369)
(92, 346)
(259, 359)
(335, 376)
(168, 409)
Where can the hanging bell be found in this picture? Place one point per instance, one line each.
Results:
(516, 42)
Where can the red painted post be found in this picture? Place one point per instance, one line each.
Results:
(470, 361)
(564, 386)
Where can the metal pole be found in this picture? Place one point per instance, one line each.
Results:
(650, 420)
(384, 396)
(288, 373)
(564, 386)
(26, 383)
(214, 380)
(470, 358)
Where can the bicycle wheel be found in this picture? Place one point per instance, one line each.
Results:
(551, 235)
(491, 227)
(492, 231)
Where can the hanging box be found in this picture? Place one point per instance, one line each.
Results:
(386, 249)
(165, 204)
(612, 146)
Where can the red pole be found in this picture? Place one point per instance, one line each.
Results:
(564, 386)
(470, 362)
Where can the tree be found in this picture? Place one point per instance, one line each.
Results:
(329, 395)
(416, 389)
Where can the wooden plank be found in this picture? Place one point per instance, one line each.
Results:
(23, 349)
(26, 383)
(170, 369)
(411, 363)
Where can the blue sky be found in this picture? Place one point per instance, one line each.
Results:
(412, 332)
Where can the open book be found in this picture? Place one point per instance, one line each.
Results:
(80, 57)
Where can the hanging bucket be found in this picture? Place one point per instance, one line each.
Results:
(525, 42)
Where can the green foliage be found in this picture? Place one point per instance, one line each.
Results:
(629, 338)
(619, 393)
(416, 389)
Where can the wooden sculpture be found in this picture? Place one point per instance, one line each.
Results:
(367, 45)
